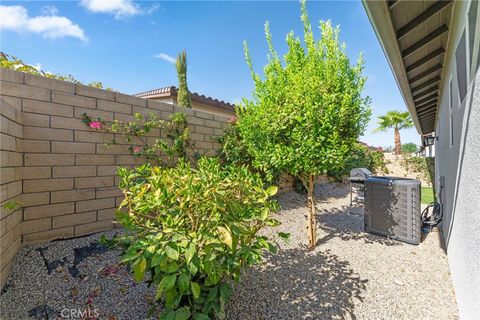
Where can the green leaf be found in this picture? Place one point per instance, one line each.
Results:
(171, 252)
(272, 190)
(168, 315)
(172, 298)
(159, 292)
(157, 259)
(225, 236)
(189, 252)
(264, 214)
(182, 313)
(193, 265)
(183, 282)
(212, 279)
(168, 282)
(201, 316)
(285, 236)
(139, 269)
(225, 291)
(170, 267)
(196, 291)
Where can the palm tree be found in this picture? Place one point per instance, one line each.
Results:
(183, 96)
(397, 120)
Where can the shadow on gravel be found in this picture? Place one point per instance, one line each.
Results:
(298, 284)
(340, 223)
(333, 222)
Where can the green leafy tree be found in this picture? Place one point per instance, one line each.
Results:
(307, 111)
(409, 147)
(397, 120)
(183, 96)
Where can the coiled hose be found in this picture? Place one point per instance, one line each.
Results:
(431, 219)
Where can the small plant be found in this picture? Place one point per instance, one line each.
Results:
(195, 230)
(12, 205)
(233, 149)
(13, 63)
(175, 146)
(183, 95)
(417, 165)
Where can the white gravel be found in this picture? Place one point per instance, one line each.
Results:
(350, 275)
(95, 284)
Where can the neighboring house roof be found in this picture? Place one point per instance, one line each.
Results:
(370, 147)
(415, 45)
(171, 91)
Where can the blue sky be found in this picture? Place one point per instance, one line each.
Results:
(126, 45)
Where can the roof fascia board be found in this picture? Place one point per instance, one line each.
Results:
(379, 15)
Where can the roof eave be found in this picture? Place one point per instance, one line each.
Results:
(379, 16)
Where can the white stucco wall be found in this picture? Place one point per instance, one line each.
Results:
(458, 166)
(463, 239)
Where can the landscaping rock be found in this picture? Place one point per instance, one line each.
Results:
(350, 274)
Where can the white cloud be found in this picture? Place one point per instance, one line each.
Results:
(16, 18)
(152, 8)
(166, 57)
(119, 8)
(50, 10)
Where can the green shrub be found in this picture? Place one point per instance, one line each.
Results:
(194, 229)
(409, 147)
(234, 152)
(362, 157)
(417, 165)
(233, 149)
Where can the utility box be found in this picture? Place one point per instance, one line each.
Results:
(392, 208)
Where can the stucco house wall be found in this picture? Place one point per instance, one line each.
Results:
(457, 175)
(448, 34)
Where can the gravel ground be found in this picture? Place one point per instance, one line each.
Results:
(350, 275)
(61, 277)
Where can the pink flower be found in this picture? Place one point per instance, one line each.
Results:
(137, 149)
(95, 125)
(232, 120)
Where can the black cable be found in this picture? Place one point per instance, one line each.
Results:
(432, 220)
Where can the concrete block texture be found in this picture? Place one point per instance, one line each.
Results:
(62, 173)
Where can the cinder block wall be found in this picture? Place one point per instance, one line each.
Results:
(58, 169)
(11, 172)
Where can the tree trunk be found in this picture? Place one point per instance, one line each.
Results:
(398, 144)
(311, 226)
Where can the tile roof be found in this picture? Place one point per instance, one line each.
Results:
(172, 91)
